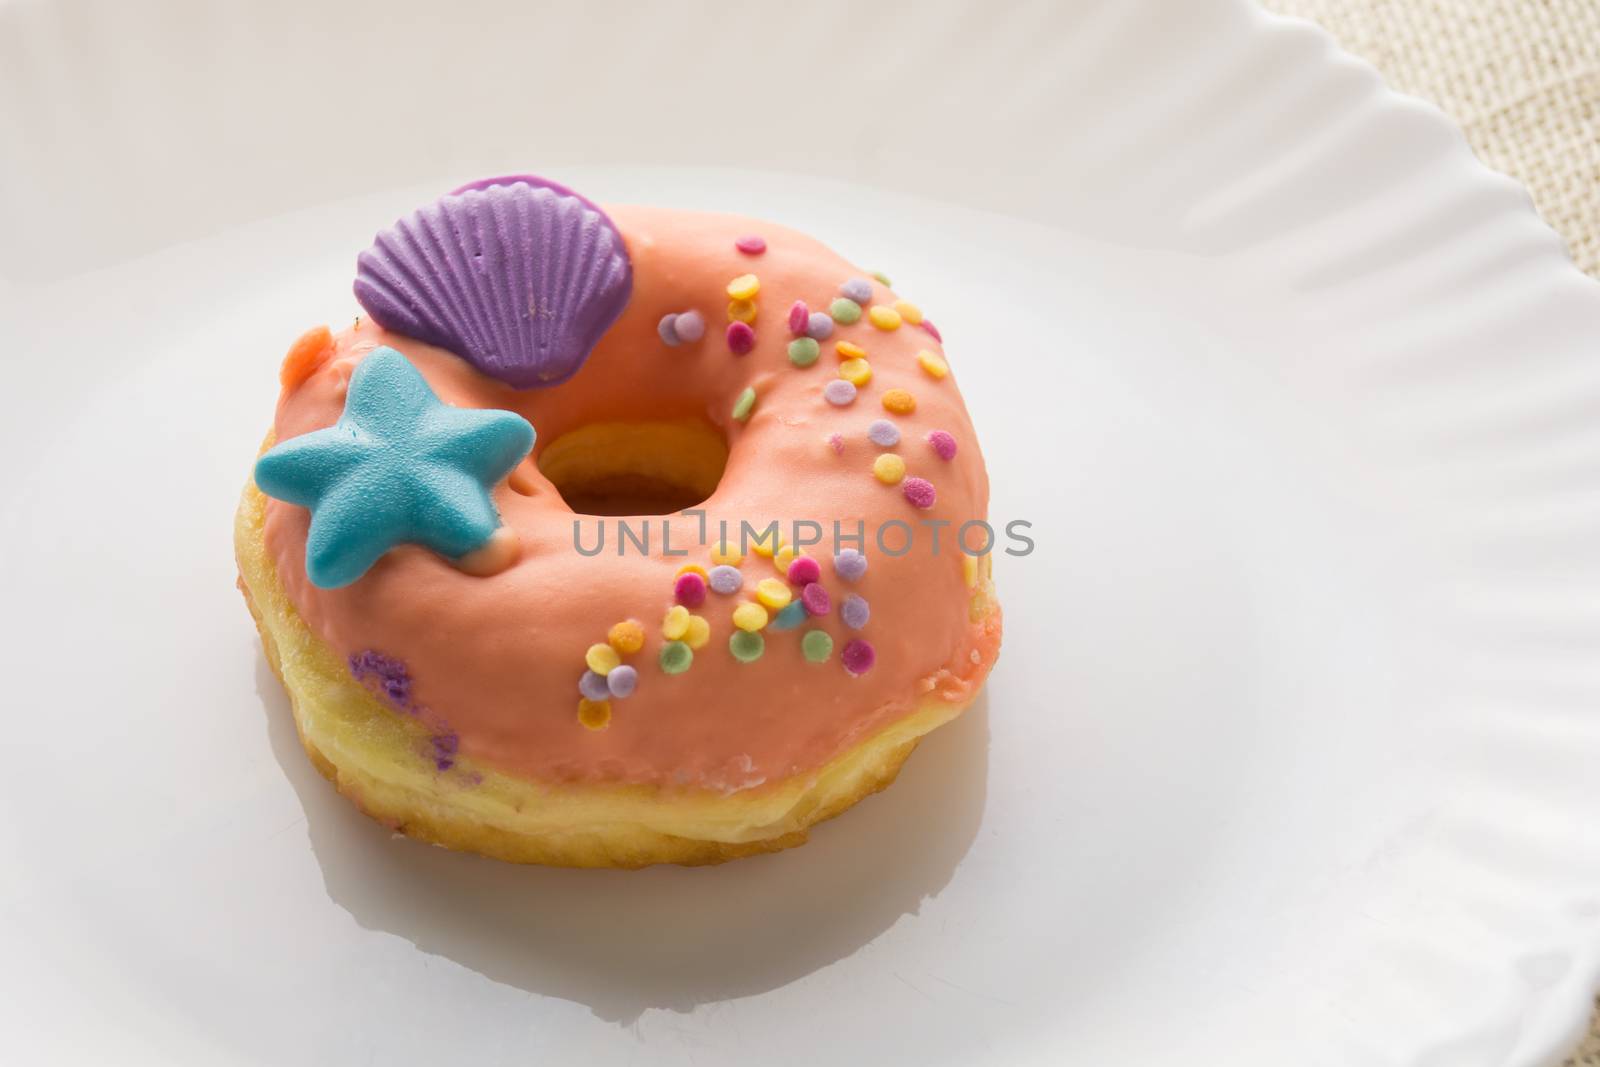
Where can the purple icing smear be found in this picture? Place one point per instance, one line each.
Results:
(390, 680)
(445, 746)
(518, 276)
(385, 676)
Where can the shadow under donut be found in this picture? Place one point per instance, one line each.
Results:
(623, 942)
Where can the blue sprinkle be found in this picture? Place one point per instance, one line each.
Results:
(621, 680)
(883, 433)
(593, 686)
(857, 289)
(689, 327)
(668, 329)
(839, 392)
(792, 615)
(855, 612)
(850, 565)
(725, 579)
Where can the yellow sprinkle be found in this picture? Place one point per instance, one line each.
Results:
(601, 658)
(889, 468)
(722, 552)
(936, 367)
(857, 372)
(783, 557)
(750, 616)
(909, 312)
(765, 544)
(691, 568)
(698, 633)
(627, 636)
(884, 318)
(744, 287)
(742, 311)
(899, 401)
(595, 714)
(773, 593)
(969, 570)
(676, 623)
(847, 350)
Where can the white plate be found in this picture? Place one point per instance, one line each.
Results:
(1291, 753)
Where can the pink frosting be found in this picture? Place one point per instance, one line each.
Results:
(498, 658)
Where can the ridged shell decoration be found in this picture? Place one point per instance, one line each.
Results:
(519, 276)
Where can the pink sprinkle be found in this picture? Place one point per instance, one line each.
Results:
(752, 245)
(944, 445)
(837, 441)
(689, 590)
(741, 338)
(931, 328)
(858, 656)
(799, 318)
(804, 570)
(816, 599)
(919, 491)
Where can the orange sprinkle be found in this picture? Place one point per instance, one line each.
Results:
(309, 352)
(627, 636)
(847, 350)
(595, 714)
(899, 401)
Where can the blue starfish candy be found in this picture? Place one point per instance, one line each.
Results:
(399, 466)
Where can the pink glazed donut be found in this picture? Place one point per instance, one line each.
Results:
(616, 537)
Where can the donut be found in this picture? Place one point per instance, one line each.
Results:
(607, 537)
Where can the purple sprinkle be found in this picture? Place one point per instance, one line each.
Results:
(593, 686)
(689, 590)
(855, 611)
(857, 289)
(857, 656)
(819, 325)
(816, 599)
(689, 327)
(839, 392)
(799, 315)
(919, 491)
(932, 329)
(804, 570)
(836, 440)
(944, 444)
(621, 681)
(445, 747)
(850, 565)
(726, 579)
(385, 676)
(668, 329)
(883, 433)
(751, 245)
(741, 338)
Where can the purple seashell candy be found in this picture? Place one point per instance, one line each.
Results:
(518, 276)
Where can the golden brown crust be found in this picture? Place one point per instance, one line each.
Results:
(371, 756)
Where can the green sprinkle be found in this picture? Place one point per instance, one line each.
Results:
(803, 351)
(817, 646)
(845, 310)
(883, 278)
(676, 657)
(745, 404)
(747, 646)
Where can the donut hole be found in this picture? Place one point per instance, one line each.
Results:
(636, 468)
